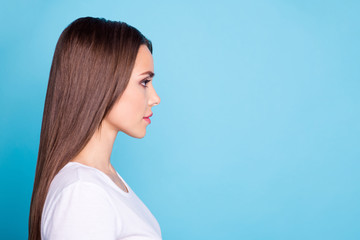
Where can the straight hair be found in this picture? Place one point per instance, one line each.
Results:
(91, 68)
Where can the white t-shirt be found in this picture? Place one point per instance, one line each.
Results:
(84, 203)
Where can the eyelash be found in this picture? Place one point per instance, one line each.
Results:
(145, 81)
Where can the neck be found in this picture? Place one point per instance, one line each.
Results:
(98, 150)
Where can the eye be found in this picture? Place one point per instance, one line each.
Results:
(145, 81)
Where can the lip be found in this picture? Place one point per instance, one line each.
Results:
(147, 119)
(149, 115)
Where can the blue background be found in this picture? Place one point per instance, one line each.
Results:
(258, 130)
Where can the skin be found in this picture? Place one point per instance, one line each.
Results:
(126, 116)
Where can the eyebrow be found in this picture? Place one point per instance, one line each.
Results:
(150, 73)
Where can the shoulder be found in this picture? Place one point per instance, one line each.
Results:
(77, 205)
(76, 181)
(72, 173)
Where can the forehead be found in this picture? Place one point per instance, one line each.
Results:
(144, 60)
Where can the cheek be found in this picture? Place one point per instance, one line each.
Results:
(129, 108)
(134, 102)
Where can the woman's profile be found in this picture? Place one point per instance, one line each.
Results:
(100, 83)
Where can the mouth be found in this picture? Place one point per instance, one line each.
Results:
(147, 119)
(149, 115)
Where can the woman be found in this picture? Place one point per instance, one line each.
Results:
(99, 84)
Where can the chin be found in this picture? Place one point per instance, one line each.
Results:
(137, 134)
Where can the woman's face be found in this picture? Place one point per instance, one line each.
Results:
(127, 115)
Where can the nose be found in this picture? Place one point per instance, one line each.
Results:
(154, 98)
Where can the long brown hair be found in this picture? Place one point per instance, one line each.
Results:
(90, 70)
